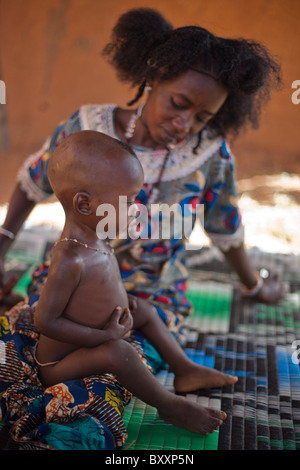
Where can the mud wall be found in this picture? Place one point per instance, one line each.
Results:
(50, 62)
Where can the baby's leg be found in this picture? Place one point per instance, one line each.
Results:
(188, 375)
(121, 359)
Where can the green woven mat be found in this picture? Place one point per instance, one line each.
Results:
(212, 306)
(146, 431)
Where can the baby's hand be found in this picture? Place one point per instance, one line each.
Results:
(127, 321)
(119, 324)
(132, 300)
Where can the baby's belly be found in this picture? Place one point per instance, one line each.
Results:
(95, 311)
(88, 308)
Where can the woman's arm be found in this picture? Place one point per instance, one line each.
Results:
(238, 259)
(223, 224)
(19, 209)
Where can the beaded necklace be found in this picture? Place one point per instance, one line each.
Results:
(85, 245)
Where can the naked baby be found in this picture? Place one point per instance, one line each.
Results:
(83, 315)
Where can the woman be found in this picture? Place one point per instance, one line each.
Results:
(196, 89)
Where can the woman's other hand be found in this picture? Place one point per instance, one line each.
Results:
(273, 290)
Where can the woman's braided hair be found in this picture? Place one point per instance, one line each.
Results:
(145, 46)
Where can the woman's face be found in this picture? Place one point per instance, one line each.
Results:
(181, 107)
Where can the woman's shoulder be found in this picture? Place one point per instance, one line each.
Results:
(218, 153)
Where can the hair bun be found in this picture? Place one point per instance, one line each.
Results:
(135, 34)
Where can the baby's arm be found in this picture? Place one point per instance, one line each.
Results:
(63, 279)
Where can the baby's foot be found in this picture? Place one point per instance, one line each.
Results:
(193, 417)
(196, 376)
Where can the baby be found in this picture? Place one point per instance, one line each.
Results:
(83, 315)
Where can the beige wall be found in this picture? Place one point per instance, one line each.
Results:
(50, 61)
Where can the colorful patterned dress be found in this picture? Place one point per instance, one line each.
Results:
(152, 268)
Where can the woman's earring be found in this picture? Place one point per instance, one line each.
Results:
(148, 88)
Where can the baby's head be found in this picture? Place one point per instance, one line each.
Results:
(89, 169)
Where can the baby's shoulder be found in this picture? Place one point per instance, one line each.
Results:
(66, 259)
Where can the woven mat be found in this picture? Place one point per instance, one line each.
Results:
(258, 343)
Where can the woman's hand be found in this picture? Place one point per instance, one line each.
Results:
(119, 325)
(273, 290)
(7, 298)
(2, 275)
(5, 289)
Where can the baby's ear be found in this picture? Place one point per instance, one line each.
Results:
(82, 203)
